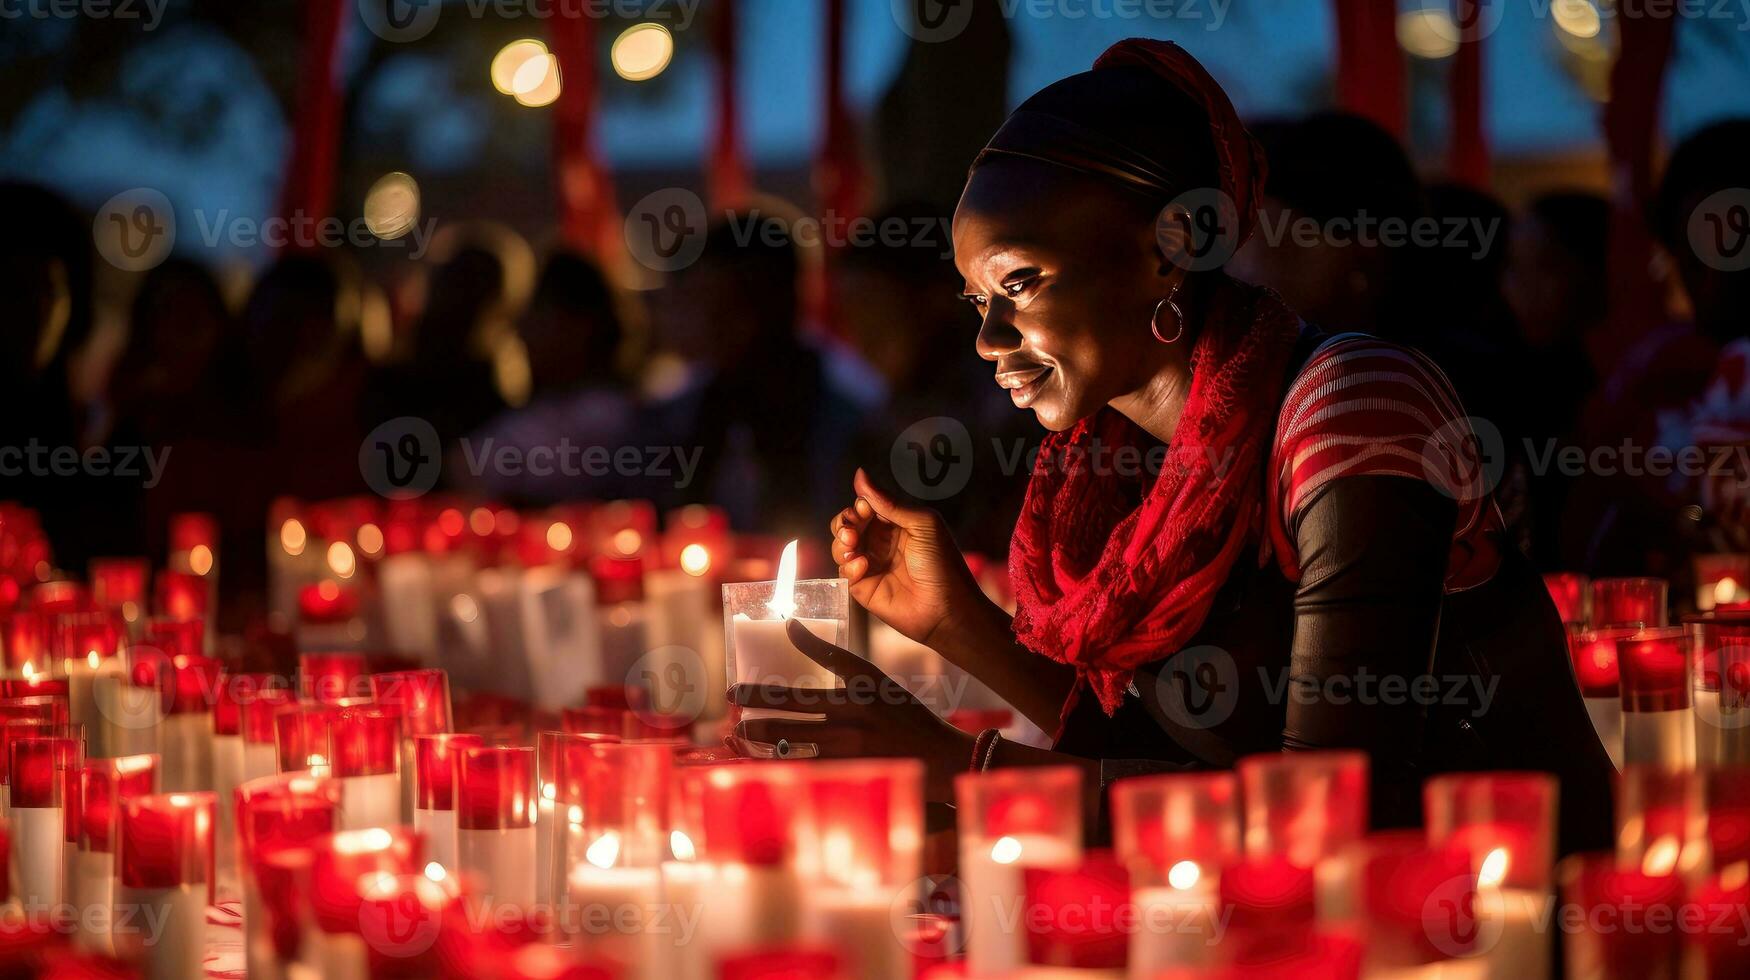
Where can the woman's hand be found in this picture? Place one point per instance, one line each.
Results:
(871, 716)
(902, 563)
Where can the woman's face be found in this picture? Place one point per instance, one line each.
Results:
(1065, 274)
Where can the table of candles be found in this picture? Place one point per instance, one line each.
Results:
(476, 742)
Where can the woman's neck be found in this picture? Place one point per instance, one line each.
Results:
(1159, 401)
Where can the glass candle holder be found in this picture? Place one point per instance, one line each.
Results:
(1304, 806)
(255, 721)
(755, 616)
(1570, 591)
(1727, 792)
(38, 815)
(1418, 902)
(227, 762)
(1722, 689)
(26, 642)
(366, 762)
(303, 737)
(167, 871)
(733, 839)
(1658, 720)
(1593, 655)
(194, 543)
(424, 697)
(1601, 890)
(182, 595)
(332, 676)
(436, 759)
(1638, 602)
(277, 819)
(495, 822)
(339, 865)
(1009, 820)
(186, 736)
(1506, 823)
(1175, 833)
(104, 787)
(1661, 820)
(1269, 902)
(1055, 916)
(611, 811)
(119, 586)
(1721, 579)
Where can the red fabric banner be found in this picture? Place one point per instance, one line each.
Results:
(1468, 149)
(307, 190)
(1631, 134)
(1370, 67)
(727, 174)
(589, 219)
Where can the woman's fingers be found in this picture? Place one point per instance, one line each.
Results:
(882, 506)
(842, 662)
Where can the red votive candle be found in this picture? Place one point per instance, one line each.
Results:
(1727, 793)
(1505, 821)
(436, 761)
(1658, 723)
(367, 764)
(105, 785)
(1010, 820)
(1636, 602)
(495, 821)
(424, 697)
(304, 737)
(1661, 819)
(119, 585)
(1723, 947)
(1304, 806)
(166, 864)
(342, 860)
(612, 796)
(695, 524)
(76, 636)
(1269, 893)
(26, 640)
(61, 596)
(1593, 653)
(1074, 916)
(16, 729)
(594, 720)
(175, 637)
(329, 677)
(228, 699)
(617, 579)
(36, 770)
(863, 829)
(1569, 591)
(191, 532)
(738, 813)
(38, 685)
(553, 803)
(782, 963)
(182, 595)
(1419, 900)
(1161, 822)
(278, 818)
(255, 722)
(1628, 919)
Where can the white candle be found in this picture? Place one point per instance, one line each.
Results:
(1521, 920)
(993, 885)
(227, 776)
(166, 849)
(546, 836)
(860, 924)
(501, 600)
(38, 858)
(682, 606)
(1606, 715)
(91, 889)
(1665, 738)
(616, 909)
(410, 613)
(438, 828)
(495, 827)
(177, 947)
(370, 801)
(82, 701)
(186, 739)
(129, 716)
(765, 655)
(1175, 927)
(696, 892)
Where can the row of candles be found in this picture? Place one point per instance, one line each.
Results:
(1676, 695)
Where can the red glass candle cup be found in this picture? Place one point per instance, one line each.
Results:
(1419, 900)
(38, 770)
(1661, 819)
(182, 595)
(286, 810)
(594, 720)
(18, 729)
(61, 596)
(1303, 805)
(329, 677)
(228, 696)
(1160, 822)
(612, 801)
(83, 636)
(366, 741)
(696, 524)
(105, 785)
(863, 822)
(25, 638)
(1721, 579)
(737, 812)
(1727, 793)
(1620, 906)
(256, 710)
(1570, 592)
(340, 862)
(167, 841)
(1505, 821)
(1593, 654)
(195, 684)
(1060, 914)
(436, 761)
(424, 697)
(1013, 802)
(1656, 670)
(495, 788)
(175, 637)
(304, 737)
(617, 579)
(1638, 602)
(119, 585)
(192, 531)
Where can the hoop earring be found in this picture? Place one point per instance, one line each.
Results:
(1154, 322)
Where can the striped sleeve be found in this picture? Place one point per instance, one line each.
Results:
(1364, 407)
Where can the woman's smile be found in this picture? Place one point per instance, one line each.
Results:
(1024, 383)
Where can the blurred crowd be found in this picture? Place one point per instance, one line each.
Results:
(761, 374)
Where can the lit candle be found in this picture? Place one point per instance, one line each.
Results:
(328, 617)
(277, 819)
(686, 652)
(1570, 592)
(16, 722)
(303, 737)
(1175, 833)
(336, 949)
(166, 872)
(187, 736)
(88, 644)
(1598, 890)
(436, 758)
(194, 544)
(255, 714)
(424, 697)
(38, 774)
(1010, 820)
(760, 651)
(1661, 820)
(366, 762)
(1067, 934)
(495, 822)
(621, 614)
(1658, 723)
(227, 752)
(1506, 822)
(739, 820)
(1722, 679)
(294, 560)
(859, 848)
(104, 787)
(1308, 807)
(26, 642)
(611, 800)
(1638, 602)
(183, 595)
(1593, 653)
(118, 586)
(1720, 579)
(332, 677)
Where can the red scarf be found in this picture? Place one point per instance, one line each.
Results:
(1105, 583)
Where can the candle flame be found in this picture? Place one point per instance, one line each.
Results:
(435, 871)
(1006, 850)
(1661, 857)
(605, 851)
(1725, 590)
(93, 659)
(1494, 869)
(1184, 875)
(695, 560)
(784, 591)
(29, 671)
(681, 846)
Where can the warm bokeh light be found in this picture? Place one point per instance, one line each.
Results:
(392, 205)
(1428, 33)
(200, 559)
(642, 51)
(627, 541)
(292, 537)
(1579, 18)
(1006, 850)
(1184, 875)
(464, 608)
(341, 560)
(481, 521)
(510, 59)
(695, 560)
(1494, 869)
(370, 538)
(536, 82)
(559, 536)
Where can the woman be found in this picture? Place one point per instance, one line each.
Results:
(1311, 562)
